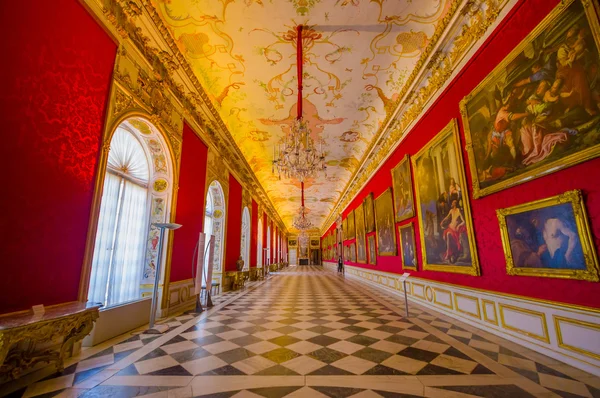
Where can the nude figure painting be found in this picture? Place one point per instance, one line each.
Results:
(445, 226)
(549, 237)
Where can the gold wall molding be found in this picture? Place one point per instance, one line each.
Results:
(465, 26)
(520, 319)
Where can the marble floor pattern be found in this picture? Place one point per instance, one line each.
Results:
(308, 332)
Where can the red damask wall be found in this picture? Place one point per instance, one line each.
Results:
(254, 235)
(234, 224)
(190, 203)
(264, 256)
(522, 19)
(55, 81)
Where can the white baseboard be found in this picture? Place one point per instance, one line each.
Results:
(568, 333)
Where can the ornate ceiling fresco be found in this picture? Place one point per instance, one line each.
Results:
(358, 55)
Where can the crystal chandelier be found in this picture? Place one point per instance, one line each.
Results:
(303, 239)
(301, 222)
(297, 156)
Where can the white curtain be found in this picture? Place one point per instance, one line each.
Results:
(105, 236)
(119, 250)
(130, 245)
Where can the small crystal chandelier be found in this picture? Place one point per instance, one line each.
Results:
(301, 222)
(297, 156)
(303, 239)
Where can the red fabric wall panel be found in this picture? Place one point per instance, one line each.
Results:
(234, 224)
(522, 19)
(254, 235)
(190, 204)
(264, 257)
(55, 85)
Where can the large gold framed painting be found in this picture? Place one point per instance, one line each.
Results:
(539, 110)
(403, 193)
(384, 224)
(361, 242)
(369, 213)
(445, 225)
(549, 237)
(351, 226)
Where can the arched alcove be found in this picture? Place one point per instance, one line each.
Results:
(259, 252)
(245, 241)
(137, 192)
(214, 224)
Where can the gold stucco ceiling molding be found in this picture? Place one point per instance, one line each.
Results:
(460, 33)
(137, 23)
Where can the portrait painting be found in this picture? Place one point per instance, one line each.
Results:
(384, 224)
(372, 253)
(353, 252)
(445, 225)
(369, 213)
(361, 243)
(549, 237)
(404, 206)
(351, 226)
(345, 228)
(408, 249)
(539, 110)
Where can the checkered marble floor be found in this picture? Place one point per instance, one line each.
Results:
(307, 332)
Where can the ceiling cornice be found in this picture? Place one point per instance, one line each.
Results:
(138, 23)
(458, 35)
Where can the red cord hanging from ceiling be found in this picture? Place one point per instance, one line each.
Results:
(299, 62)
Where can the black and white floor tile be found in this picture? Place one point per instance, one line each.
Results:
(307, 332)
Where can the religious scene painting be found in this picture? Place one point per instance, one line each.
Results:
(539, 110)
(372, 252)
(361, 248)
(549, 237)
(384, 224)
(407, 246)
(445, 225)
(404, 206)
(351, 226)
(369, 213)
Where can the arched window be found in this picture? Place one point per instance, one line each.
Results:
(268, 245)
(214, 217)
(245, 242)
(259, 254)
(135, 194)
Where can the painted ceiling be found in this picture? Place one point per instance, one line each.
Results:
(358, 55)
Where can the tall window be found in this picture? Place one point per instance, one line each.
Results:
(214, 224)
(119, 251)
(245, 242)
(260, 254)
(268, 245)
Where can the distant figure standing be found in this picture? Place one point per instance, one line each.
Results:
(340, 264)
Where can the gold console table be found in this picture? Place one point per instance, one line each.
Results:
(27, 339)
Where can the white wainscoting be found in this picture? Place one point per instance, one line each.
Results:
(565, 332)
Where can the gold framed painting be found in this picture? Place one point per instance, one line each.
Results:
(369, 213)
(444, 213)
(408, 249)
(292, 243)
(404, 206)
(345, 228)
(384, 224)
(351, 225)
(538, 111)
(549, 237)
(353, 252)
(361, 243)
(372, 250)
